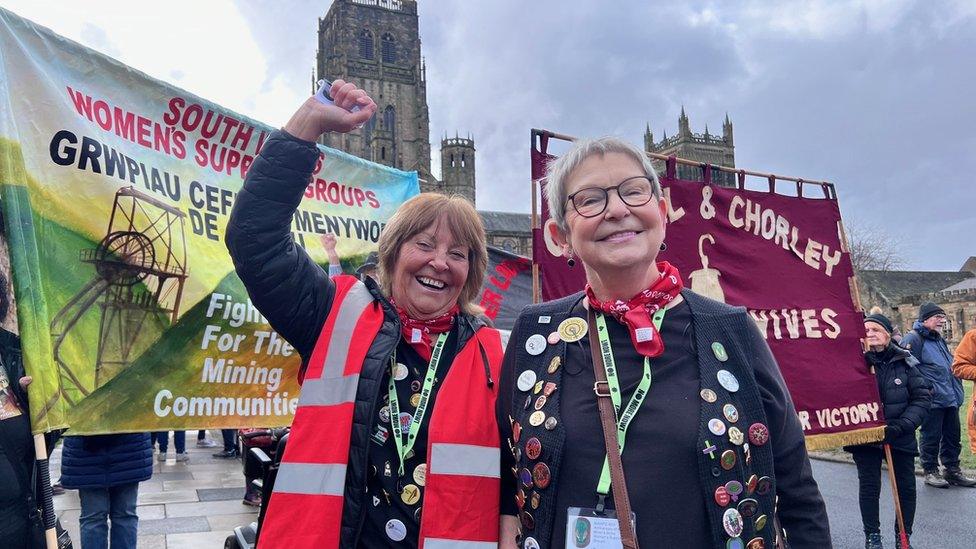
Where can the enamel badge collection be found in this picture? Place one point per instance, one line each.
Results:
(730, 447)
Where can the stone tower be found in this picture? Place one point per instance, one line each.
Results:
(376, 44)
(706, 147)
(457, 167)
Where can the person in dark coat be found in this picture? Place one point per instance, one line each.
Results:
(715, 442)
(905, 399)
(941, 431)
(106, 470)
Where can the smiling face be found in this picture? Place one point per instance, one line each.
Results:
(430, 272)
(622, 238)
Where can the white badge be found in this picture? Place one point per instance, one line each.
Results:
(526, 380)
(587, 529)
(400, 372)
(545, 319)
(395, 530)
(644, 334)
(536, 344)
(416, 335)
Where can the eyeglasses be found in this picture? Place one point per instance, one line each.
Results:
(633, 191)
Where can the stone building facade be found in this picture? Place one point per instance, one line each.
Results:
(702, 147)
(899, 294)
(376, 43)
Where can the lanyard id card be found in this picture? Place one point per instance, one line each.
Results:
(590, 529)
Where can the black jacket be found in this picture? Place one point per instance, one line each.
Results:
(762, 397)
(905, 396)
(295, 294)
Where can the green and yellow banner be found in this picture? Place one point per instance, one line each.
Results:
(116, 189)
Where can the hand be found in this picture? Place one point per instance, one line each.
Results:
(25, 381)
(508, 531)
(329, 243)
(313, 118)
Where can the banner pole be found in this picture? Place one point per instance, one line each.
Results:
(47, 501)
(903, 537)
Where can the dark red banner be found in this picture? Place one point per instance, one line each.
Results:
(781, 257)
(507, 288)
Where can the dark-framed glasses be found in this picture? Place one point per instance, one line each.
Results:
(633, 191)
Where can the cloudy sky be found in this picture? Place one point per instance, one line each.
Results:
(873, 95)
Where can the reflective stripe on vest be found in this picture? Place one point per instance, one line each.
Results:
(462, 490)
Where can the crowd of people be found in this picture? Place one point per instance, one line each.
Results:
(633, 412)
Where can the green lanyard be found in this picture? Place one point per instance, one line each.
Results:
(623, 421)
(418, 416)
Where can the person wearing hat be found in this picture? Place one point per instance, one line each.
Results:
(964, 367)
(905, 399)
(368, 268)
(940, 430)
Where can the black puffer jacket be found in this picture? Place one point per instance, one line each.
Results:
(295, 294)
(905, 396)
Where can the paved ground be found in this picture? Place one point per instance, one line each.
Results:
(945, 517)
(191, 505)
(197, 505)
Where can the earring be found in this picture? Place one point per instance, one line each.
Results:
(569, 259)
(664, 246)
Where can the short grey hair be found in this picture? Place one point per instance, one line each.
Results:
(558, 171)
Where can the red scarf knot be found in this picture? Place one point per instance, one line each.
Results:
(636, 313)
(418, 332)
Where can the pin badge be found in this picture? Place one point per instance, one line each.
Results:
(730, 413)
(545, 319)
(395, 530)
(734, 543)
(410, 494)
(553, 338)
(420, 474)
(537, 418)
(551, 423)
(541, 475)
(530, 543)
(732, 522)
(728, 460)
(716, 426)
(526, 380)
(415, 399)
(643, 334)
(758, 434)
(572, 329)
(722, 497)
(540, 402)
(719, 350)
(708, 395)
(537, 388)
(756, 543)
(748, 507)
(735, 436)
(761, 522)
(535, 345)
(549, 388)
(554, 364)
(728, 381)
(400, 372)
(533, 448)
(416, 335)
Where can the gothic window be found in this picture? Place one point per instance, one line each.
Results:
(389, 118)
(947, 329)
(389, 48)
(462, 160)
(452, 160)
(365, 44)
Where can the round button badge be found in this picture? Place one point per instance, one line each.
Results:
(716, 426)
(708, 395)
(395, 530)
(536, 344)
(730, 413)
(728, 381)
(420, 474)
(732, 522)
(526, 380)
(572, 329)
(537, 418)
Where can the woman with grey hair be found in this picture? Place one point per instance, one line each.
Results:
(712, 451)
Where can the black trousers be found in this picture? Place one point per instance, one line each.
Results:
(940, 439)
(868, 460)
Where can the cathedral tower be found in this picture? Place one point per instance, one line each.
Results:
(376, 45)
(457, 167)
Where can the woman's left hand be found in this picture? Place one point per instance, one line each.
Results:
(314, 118)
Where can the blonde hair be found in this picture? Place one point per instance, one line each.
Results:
(420, 213)
(558, 171)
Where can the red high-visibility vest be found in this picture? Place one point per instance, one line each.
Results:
(462, 484)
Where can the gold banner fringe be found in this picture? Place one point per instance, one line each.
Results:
(847, 438)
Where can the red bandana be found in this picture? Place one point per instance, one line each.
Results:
(637, 312)
(417, 332)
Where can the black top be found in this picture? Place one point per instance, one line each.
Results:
(16, 454)
(660, 460)
(384, 501)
